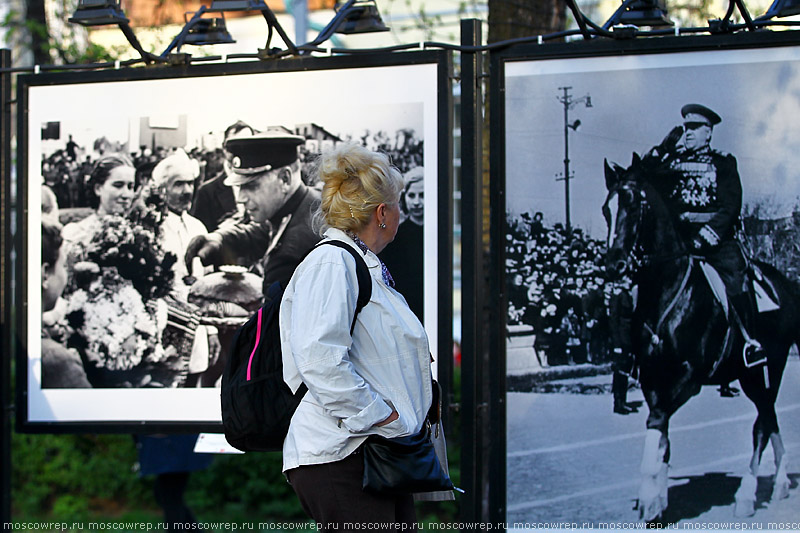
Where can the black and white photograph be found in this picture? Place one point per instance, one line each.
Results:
(652, 222)
(155, 242)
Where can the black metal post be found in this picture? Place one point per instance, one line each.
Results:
(496, 305)
(473, 412)
(444, 222)
(7, 303)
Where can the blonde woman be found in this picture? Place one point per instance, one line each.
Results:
(375, 381)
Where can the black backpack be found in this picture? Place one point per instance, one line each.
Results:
(257, 405)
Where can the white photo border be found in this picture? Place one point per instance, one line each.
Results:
(349, 94)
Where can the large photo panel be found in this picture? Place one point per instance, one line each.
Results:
(650, 246)
(120, 330)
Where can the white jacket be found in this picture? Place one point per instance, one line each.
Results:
(352, 381)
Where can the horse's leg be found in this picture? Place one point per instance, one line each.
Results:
(772, 380)
(653, 490)
(745, 498)
(780, 490)
(761, 389)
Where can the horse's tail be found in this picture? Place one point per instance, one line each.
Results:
(788, 294)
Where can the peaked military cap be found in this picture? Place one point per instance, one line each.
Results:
(253, 155)
(700, 111)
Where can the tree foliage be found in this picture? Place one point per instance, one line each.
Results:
(28, 32)
(510, 19)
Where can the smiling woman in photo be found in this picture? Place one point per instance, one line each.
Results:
(119, 275)
(112, 187)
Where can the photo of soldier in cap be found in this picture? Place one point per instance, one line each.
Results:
(278, 204)
(215, 200)
(276, 232)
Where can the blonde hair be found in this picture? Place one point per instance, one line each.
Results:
(355, 181)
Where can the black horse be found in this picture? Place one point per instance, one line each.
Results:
(683, 333)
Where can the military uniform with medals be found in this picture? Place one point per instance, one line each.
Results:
(708, 199)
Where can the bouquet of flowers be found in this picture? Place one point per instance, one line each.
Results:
(116, 310)
(135, 252)
(111, 321)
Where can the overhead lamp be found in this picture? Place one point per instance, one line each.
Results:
(220, 6)
(98, 13)
(362, 17)
(646, 13)
(237, 5)
(348, 21)
(209, 31)
(782, 8)
(103, 12)
(269, 16)
(640, 13)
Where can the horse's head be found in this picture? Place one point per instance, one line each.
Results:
(624, 213)
(641, 224)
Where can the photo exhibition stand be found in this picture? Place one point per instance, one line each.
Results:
(487, 195)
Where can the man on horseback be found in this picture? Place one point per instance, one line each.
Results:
(706, 198)
(671, 215)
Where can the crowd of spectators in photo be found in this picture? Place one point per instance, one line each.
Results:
(556, 284)
(66, 171)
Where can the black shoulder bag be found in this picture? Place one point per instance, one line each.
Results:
(405, 465)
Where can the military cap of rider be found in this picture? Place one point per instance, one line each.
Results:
(253, 155)
(699, 113)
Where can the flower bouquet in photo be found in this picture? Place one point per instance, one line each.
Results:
(117, 309)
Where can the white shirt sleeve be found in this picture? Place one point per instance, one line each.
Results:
(321, 310)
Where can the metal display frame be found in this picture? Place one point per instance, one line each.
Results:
(498, 305)
(440, 179)
(7, 335)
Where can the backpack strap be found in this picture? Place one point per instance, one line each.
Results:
(362, 273)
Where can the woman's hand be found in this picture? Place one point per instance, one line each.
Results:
(391, 418)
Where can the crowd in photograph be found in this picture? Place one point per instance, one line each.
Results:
(66, 171)
(556, 285)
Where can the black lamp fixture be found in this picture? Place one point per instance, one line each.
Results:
(782, 8)
(269, 16)
(98, 13)
(640, 13)
(219, 30)
(209, 31)
(103, 12)
(348, 20)
(362, 17)
(237, 5)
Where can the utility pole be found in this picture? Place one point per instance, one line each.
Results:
(568, 102)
